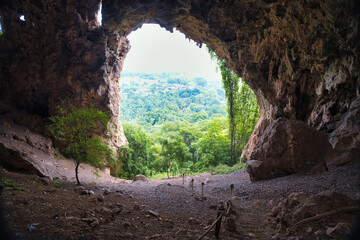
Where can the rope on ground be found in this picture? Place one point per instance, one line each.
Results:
(217, 220)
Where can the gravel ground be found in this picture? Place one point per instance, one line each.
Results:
(162, 209)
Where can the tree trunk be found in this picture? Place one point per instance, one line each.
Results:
(77, 173)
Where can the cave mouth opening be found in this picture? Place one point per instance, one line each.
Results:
(169, 85)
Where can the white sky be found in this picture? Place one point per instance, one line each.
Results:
(155, 50)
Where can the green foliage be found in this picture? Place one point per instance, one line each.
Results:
(77, 130)
(242, 108)
(188, 125)
(57, 183)
(225, 169)
(153, 99)
(11, 184)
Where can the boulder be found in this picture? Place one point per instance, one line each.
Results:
(140, 178)
(345, 140)
(299, 206)
(287, 147)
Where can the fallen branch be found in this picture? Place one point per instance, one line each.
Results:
(326, 214)
(212, 225)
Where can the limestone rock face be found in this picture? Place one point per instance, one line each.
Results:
(60, 54)
(23, 150)
(301, 58)
(286, 147)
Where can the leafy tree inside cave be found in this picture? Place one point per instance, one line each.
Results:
(78, 132)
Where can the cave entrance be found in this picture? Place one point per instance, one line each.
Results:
(170, 88)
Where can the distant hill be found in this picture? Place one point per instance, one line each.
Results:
(152, 99)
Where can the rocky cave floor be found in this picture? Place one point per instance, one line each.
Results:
(37, 208)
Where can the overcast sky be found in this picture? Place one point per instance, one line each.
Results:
(155, 50)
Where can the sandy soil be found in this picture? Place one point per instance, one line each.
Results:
(163, 209)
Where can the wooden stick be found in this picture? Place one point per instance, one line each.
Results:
(326, 214)
(218, 226)
(202, 189)
(231, 190)
(212, 225)
(192, 184)
(183, 178)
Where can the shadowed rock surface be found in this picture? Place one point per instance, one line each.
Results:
(301, 58)
(287, 147)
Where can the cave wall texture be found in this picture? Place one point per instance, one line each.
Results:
(300, 57)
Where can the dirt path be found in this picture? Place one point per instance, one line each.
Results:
(158, 209)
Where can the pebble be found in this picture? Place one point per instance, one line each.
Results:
(44, 181)
(155, 214)
(95, 222)
(156, 236)
(126, 225)
(193, 221)
(100, 198)
(319, 233)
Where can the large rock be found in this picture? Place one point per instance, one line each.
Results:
(23, 150)
(286, 147)
(345, 140)
(298, 206)
(140, 178)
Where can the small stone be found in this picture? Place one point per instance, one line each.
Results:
(309, 230)
(155, 236)
(94, 223)
(120, 206)
(116, 210)
(45, 181)
(155, 214)
(140, 178)
(106, 192)
(84, 192)
(319, 233)
(214, 206)
(169, 184)
(136, 207)
(91, 192)
(200, 198)
(193, 221)
(105, 209)
(126, 225)
(79, 189)
(100, 198)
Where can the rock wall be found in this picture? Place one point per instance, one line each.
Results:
(60, 54)
(301, 58)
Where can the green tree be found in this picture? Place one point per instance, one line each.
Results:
(215, 144)
(242, 108)
(231, 86)
(78, 130)
(135, 158)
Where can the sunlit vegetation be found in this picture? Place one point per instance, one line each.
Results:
(176, 125)
(78, 131)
